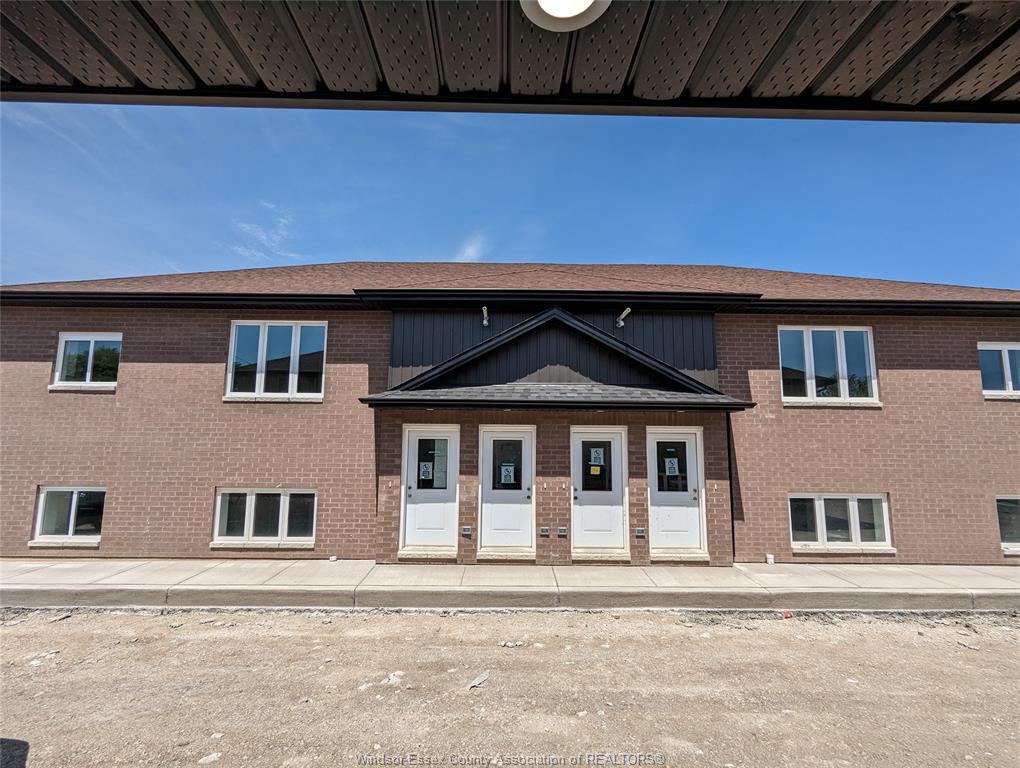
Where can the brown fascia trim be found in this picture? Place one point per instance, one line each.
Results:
(814, 108)
(631, 405)
(936, 307)
(179, 300)
(418, 298)
(410, 298)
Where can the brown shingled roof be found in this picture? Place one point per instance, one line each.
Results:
(343, 278)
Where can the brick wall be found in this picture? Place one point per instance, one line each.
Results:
(939, 450)
(165, 440)
(552, 480)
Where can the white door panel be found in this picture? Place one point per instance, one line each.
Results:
(598, 477)
(431, 471)
(674, 505)
(506, 475)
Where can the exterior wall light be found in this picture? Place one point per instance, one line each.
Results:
(563, 15)
(619, 320)
(485, 316)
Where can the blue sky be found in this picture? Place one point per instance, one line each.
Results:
(98, 191)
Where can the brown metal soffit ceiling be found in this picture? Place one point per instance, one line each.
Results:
(892, 60)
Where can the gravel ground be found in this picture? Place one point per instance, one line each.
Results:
(296, 689)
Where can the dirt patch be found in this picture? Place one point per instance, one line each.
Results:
(253, 689)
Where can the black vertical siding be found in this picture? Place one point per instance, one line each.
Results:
(424, 338)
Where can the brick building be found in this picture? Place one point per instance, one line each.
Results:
(511, 412)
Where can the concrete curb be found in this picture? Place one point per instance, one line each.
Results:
(259, 596)
(80, 596)
(663, 597)
(997, 599)
(455, 597)
(439, 597)
(873, 599)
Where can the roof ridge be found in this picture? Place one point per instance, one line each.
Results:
(643, 282)
(419, 283)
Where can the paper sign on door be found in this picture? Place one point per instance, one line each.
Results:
(425, 470)
(597, 457)
(506, 474)
(672, 466)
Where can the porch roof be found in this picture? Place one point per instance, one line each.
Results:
(938, 60)
(575, 395)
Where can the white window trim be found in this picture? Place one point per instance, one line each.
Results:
(295, 344)
(809, 364)
(1009, 393)
(66, 538)
(88, 384)
(1009, 548)
(247, 540)
(855, 544)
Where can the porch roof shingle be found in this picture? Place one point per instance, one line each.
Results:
(524, 395)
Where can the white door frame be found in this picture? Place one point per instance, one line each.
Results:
(698, 433)
(507, 552)
(598, 553)
(418, 551)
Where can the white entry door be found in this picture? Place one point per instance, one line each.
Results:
(506, 470)
(431, 471)
(598, 471)
(674, 503)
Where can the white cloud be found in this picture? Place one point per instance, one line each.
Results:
(63, 125)
(472, 249)
(267, 239)
(252, 254)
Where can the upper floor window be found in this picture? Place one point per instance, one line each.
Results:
(271, 359)
(70, 513)
(1000, 368)
(827, 364)
(87, 360)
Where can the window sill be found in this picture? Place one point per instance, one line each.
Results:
(1011, 550)
(833, 403)
(81, 542)
(816, 548)
(261, 545)
(102, 387)
(1001, 395)
(272, 398)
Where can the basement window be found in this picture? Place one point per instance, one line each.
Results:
(1000, 369)
(822, 366)
(271, 518)
(70, 514)
(276, 361)
(839, 522)
(87, 361)
(1009, 523)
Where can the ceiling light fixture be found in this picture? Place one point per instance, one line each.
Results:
(563, 15)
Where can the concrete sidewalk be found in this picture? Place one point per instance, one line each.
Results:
(361, 583)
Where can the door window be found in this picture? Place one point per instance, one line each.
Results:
(596, 465)
(507, 460)
(671, 465)
(432, 462)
